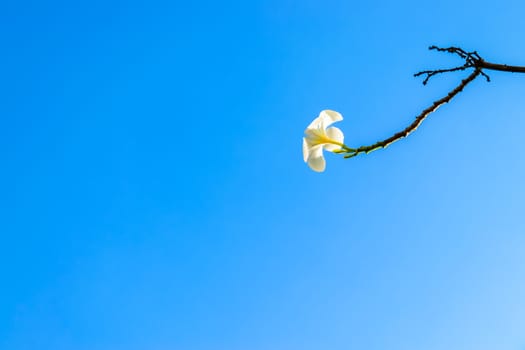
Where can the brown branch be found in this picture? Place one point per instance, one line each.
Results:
(472, 60)
(419, 119)
(500, 67)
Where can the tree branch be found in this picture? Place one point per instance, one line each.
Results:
(500, 67)
(472, 60)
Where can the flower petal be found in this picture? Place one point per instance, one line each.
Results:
(324, 119)
(335, 134)
(315, 124)
(316, 160)
(306, 150)
(328, 117)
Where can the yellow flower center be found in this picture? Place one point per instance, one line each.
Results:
(319, 137)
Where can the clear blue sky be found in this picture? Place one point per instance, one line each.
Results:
(154, 196)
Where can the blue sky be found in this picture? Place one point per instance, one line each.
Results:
(154, 194)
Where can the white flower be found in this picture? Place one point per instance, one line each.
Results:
(318, 136)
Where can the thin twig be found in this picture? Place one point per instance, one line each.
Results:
(431, 73)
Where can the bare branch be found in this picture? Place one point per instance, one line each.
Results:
(431, 73)
(419, 119)
(472, 60)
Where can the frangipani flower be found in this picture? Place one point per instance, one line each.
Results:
(318, 137)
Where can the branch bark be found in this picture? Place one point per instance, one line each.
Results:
(501, 67)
